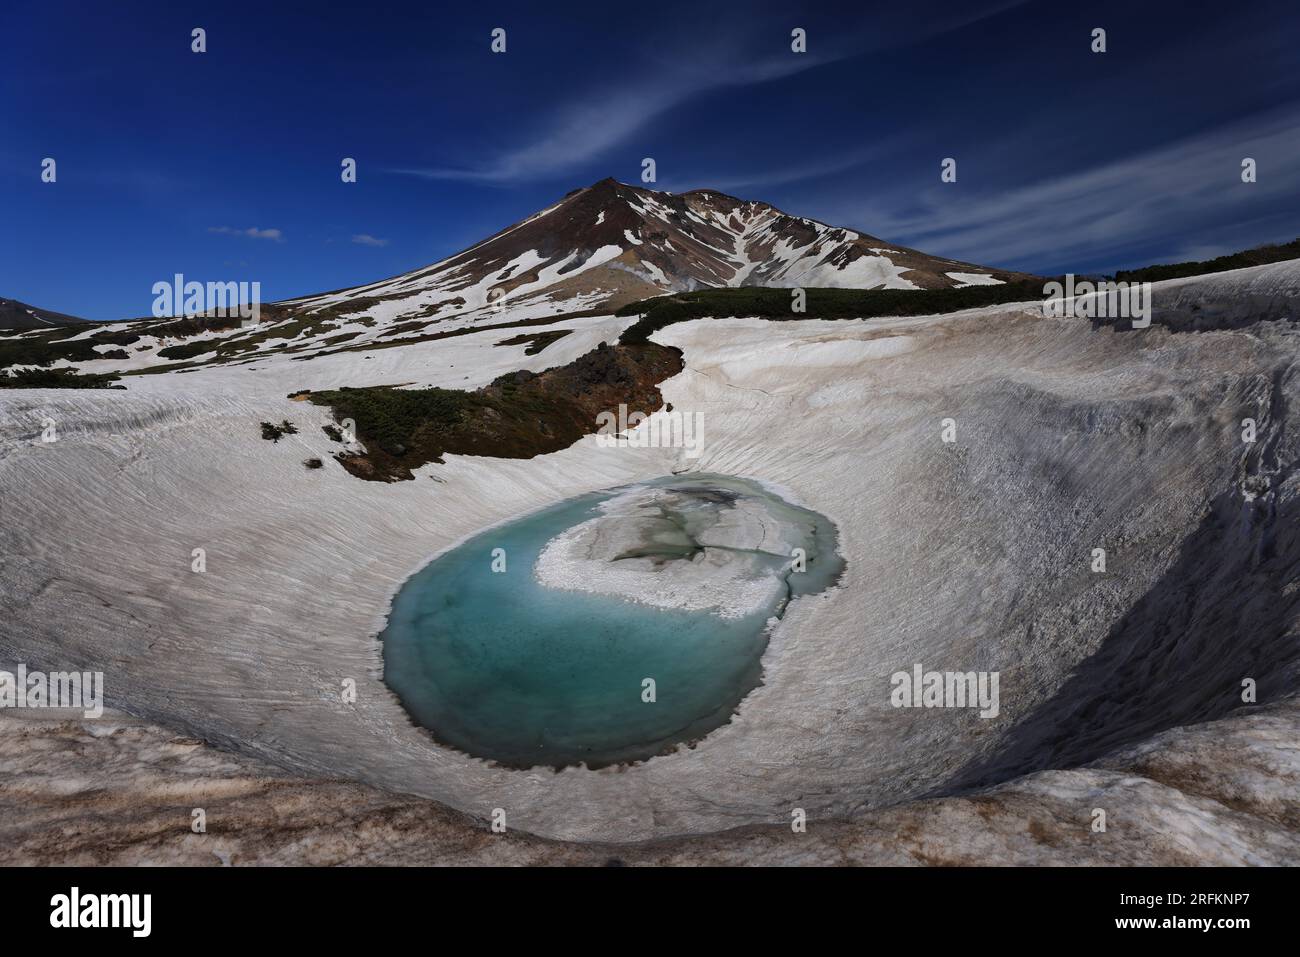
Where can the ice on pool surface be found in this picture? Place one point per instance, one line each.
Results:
(606, 628)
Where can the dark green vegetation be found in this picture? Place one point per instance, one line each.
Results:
(46, 347)
(518, 416)
(373, 346)
(536, 342)
(277, 326)
(392, 420)
(313, 463)
(339, 339)
(188, 350)
(775, 304)
(188, 325)
(1251, 257)
(333, 431)
(55, 379)
(275, 433)
(38, 350)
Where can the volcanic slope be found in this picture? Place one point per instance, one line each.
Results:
(597, 249)
(612, 243)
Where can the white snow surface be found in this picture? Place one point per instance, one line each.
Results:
(723, 580)
(947, 545)
(965, 279)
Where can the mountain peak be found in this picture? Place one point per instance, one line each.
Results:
(611, 243)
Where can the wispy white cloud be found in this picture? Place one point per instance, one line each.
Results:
(251, 232)
(586, 130)
(365, 239)
(582, 131)
(1183, 188)
(779, 175)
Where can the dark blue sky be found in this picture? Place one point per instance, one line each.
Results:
(1067, 160)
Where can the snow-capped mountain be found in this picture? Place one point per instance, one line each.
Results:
(595, 250)
(612, 243)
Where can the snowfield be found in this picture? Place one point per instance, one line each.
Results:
(974, 554)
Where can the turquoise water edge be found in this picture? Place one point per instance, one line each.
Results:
(503, 668)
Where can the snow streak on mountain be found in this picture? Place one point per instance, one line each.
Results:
(595, 250)
(611, 243)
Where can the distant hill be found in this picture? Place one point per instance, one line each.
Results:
(19, 315)
(1259, 256)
